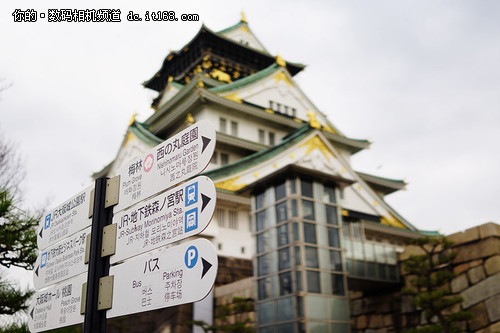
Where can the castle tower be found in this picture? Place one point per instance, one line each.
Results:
(289, 202)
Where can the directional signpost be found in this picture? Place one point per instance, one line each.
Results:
(181, 212)
(57, 306)
(149, 213)
(181, 157)
(66, 219)
(162, 278)
(61, 261)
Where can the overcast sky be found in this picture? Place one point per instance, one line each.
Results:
(420, 79)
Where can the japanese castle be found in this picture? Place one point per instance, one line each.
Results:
(296, 228)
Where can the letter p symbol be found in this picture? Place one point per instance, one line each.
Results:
(191, 257)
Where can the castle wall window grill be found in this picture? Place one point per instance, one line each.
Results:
(282, 108)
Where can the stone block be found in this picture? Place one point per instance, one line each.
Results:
(495, 328)
(384, 307)
(376, 321)
(489, 230)
(486, 248)
(461, 268)
(479, 317)
(492, 265)
(410, 250)
(388, 321)
(459, 283)
(475, 263)
(481, 291)
(356, 307)
(403, 321)
(476, 274)
(463, 237)
(361, 322)
(407, 305)
(493, 308)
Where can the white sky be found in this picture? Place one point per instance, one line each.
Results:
(421, 79)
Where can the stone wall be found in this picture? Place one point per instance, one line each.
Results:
(225, 296)
(477, 266)
(232, 269)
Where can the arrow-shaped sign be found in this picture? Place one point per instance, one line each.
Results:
(61, 261)
(205, 200)
(206, 267)
(48, 311)
(181, 212)
(206, 141)
(181, 157)
(69, 217)
(166, 277)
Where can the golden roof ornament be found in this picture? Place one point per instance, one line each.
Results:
(280, 61)
(200, 83)
(243, 18)
(220, 75)
(313, 122)
(132, 119)
(189, 119)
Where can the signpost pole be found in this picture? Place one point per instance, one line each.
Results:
(95, 320)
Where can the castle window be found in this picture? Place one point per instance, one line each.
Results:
(234, 128)
(224, 159)
(262, 136)
(214, 158)
(271, 138)
(233, 220)
(220, 215)
(223, 125)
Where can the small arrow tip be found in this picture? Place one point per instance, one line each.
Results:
(206, 267)
(31, 313)
(36, 270)
(41, 233)
(206, 141)
(205, 200)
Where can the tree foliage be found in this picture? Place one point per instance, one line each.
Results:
(17, 235)
(432, 271)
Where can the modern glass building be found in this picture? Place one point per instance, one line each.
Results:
(300, 275)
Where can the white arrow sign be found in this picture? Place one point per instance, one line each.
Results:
(163, 278)
(181, 212)
(61, 260)
(57, 306)
(66, 219)
(182, 156)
